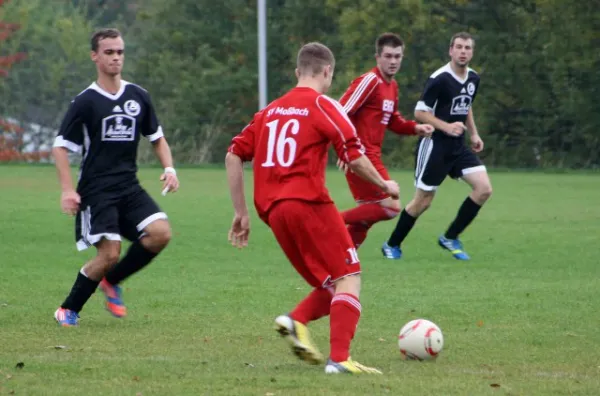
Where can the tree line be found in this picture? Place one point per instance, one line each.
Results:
(537, 59)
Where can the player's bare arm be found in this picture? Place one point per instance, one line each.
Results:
(169, 176)
(452, 129)
(240, 228)
(365, 169)
(476, 142)
(69, 200)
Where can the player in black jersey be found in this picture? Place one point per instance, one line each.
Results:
(446, 103)
(104, 123)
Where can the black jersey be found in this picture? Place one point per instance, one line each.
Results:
(106, 129)
(449, 97)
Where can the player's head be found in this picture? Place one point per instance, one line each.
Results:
(389, 51)
(315, 62)
(461, 49)
(108, 51)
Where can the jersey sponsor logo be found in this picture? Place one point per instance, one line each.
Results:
(461, 105)
(132, 108)
(388, 109)
(388, 105)
(118, 128)
(471, 88)
(288, 111)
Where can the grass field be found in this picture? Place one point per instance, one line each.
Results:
(521, 318)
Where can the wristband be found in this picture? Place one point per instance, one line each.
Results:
(170, 169)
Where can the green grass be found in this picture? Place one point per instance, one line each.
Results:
(522, 314)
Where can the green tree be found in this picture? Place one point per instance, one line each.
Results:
(199, 64)
(10, 133)
(57, 67)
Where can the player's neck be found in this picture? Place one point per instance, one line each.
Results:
(110, 84)
(460, 71)
(310, 83)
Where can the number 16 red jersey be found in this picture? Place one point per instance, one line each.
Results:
(288, 141)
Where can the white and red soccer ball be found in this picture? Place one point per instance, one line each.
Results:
(420, 339)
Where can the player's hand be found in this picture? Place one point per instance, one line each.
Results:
(424, 130)
(69, 202)
(476, 143)
(342, 166)
(170, 182)
(455, 129)
(392, 189)
(240, 230)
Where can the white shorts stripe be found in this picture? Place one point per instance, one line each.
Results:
(425, 149)
(91, 240)
(480, 168)
(150, 219)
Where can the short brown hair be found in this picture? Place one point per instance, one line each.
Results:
(103, 34)
(313, 57)
(461, 35)
(388, 40)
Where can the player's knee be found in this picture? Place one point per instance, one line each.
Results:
(349, 284)
(483, 193)
(421, 205)
(392, 207)
(109, 257)
(160, 234)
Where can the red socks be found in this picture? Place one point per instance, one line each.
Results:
(314, 306)
(361, 218)
(344, 316)
(368, 213)
(358, 233)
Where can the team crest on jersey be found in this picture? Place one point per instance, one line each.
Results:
(471, 88)
(118, 128)
(132, 108)
(461, 105)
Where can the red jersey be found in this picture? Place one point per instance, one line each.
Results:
(372, 103)
(288, 141)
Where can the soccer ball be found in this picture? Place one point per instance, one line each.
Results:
(420, 339)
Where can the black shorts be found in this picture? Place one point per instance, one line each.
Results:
(438, 158)
(115, 215)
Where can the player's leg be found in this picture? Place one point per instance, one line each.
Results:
(330, 256)
(430, 172)
(345, 315)
(96, 225)
(373, 206)
(142, 222)
(365, 215)
(408, 217)
(472, 171)
(283, 221)
(314, 306)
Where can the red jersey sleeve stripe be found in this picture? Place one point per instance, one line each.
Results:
(362, 92)
(343, 115)
(341, 110)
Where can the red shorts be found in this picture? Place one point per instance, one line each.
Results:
(315, 240)
(364, 191)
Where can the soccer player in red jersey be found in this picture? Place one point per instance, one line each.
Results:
(371, 102)
(288, 142)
